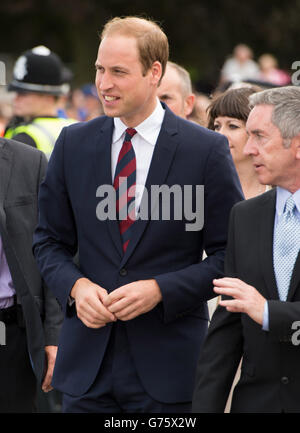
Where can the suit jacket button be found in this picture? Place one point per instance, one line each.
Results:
(123, 272)
(284, 380)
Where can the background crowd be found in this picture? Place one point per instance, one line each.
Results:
(239, 69)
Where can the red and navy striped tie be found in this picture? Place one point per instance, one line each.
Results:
(124, 184)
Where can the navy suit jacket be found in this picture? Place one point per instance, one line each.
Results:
(166, 341)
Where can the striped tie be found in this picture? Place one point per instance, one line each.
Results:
(124, 184)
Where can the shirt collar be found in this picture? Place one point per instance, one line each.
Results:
(282, 196)
(148, 129)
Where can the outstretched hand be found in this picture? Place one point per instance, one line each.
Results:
(246, 299)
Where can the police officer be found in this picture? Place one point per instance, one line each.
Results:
(39, 80)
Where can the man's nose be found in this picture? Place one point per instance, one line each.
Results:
(105, 82)
(250, 148)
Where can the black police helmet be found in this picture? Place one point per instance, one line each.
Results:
(39, 70)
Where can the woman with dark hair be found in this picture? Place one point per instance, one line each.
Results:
(228, 114)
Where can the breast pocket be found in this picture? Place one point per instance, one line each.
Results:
(21, 214)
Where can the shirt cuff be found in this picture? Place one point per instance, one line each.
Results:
(265, 324)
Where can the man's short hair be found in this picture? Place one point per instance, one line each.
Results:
(286, 112)
(185, 78)
(152, 42)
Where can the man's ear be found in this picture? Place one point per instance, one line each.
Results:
(296, 144)
(156, 72)
(189, 104)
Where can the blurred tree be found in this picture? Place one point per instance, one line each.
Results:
(201, 34)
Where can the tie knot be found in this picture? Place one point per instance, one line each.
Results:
(129, 133)
(289, 205)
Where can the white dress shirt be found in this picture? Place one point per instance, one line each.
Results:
(143, 144)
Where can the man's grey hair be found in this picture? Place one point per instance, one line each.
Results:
(286, 112)
(185, 78)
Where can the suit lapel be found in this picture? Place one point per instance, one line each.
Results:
(102, 144)
(161, 162)
(295, 280)
(266, 228)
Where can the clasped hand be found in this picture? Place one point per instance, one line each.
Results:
(96, 307)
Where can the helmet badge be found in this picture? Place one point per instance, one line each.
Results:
(20, 69)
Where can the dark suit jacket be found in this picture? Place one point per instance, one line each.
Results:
(270, 375)
(165, 342)
(21, 171)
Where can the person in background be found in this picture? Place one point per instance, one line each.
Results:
(199, 112)
(228, 114)
(5, 110)
(30, 316)
(258, 316)
(270, 72)
(175, 90)
(91, 106)
(39, 80)
(240, 66)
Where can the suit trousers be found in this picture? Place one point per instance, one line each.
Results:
(17, 381)
(117, 387)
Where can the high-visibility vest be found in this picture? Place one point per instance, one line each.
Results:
(43, 130)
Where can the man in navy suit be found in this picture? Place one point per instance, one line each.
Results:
(135, 303)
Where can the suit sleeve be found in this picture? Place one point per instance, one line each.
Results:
(221, 352)
(53, 316)
(282, 315)
(55, 238)
(185, 289)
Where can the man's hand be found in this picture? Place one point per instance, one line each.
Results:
(50, 352)
(133, 299)
(246, 298)
(89, 298)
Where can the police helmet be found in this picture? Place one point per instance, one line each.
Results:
(40, 70)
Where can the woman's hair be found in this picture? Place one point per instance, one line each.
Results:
(232, 103)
